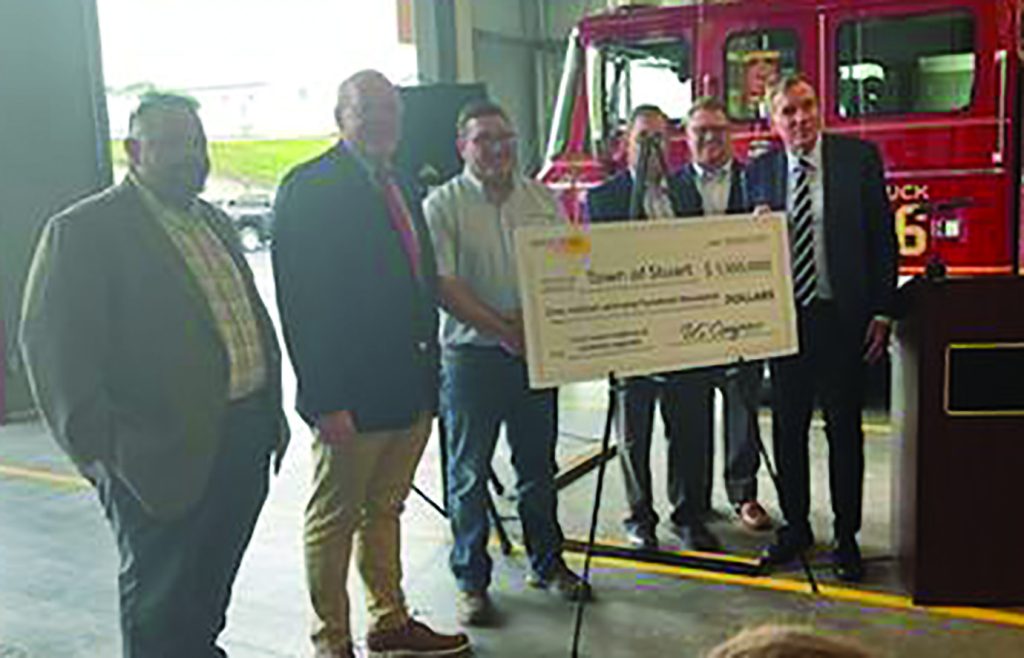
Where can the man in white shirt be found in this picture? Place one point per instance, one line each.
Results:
(472, 218)
(714, 184)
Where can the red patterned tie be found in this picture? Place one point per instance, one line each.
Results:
(401, 218)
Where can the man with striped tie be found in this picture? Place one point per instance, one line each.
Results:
(843, 250)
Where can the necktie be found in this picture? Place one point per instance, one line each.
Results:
(801, 221)
(401, 219)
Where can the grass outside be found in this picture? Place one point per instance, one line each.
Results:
(259, 163)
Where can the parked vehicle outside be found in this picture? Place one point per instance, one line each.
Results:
(253, 218)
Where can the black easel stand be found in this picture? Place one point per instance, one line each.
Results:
(750, 396)
(589, 548)
(705, 561)
(492, 510)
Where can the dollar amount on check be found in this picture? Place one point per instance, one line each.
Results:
(637, 298)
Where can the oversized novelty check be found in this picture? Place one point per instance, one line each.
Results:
(637, 298)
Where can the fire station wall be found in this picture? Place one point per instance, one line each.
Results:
(52, 139)
(516, 47)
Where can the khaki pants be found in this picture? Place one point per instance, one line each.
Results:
(359, 490)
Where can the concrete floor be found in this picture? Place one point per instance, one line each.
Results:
(58, 567)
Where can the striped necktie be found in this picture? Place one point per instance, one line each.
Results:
(801, 221)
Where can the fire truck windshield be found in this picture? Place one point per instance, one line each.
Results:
(629, 74)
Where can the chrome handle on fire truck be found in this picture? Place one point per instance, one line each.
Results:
(1002, 61)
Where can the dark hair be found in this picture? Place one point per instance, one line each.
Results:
(646, 108)
(706, 104)
(152, 100)
(478, 108)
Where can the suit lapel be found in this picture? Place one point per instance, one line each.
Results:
(830, 182)
(624, 194)
(782, 180)
(156, 241)
(224, 231)
(686, 199)
(737, 190)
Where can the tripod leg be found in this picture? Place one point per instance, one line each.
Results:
(443, 449)
(605, 441)
(430, 501)
(499, 488)
(750, 402)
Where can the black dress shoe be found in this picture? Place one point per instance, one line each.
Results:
(695, 536)
(642, 537)
(846, 561)
(787, 547)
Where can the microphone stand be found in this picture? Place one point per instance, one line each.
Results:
(649, 145)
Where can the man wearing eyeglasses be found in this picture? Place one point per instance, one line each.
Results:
(684, 396)
(483, 371)
(713, 183)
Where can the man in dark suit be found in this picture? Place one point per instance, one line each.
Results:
(357, 290)
(684, 396)
(157, 370)
(714, 183)
(843, 249)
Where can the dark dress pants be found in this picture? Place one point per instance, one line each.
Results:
(176, 576)
(685, 401)
(829, 367)
(740, 386)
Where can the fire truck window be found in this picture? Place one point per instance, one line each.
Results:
(752, 61)
(655, 73)
(907, 65)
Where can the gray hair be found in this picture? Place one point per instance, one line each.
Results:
(784, 84)
(350, 88)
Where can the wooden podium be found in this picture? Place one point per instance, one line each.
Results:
(958, 406)
(3, 372)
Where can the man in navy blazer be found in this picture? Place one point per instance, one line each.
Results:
(843, 249)
(714, 183)
(685, 396)
(357, 291)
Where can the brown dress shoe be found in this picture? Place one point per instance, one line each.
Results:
(415, 639)
(753, 516)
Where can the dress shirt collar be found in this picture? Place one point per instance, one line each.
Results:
(478, 185)
(156, 205)
(706, 174)
(813, 157)
(372, 169)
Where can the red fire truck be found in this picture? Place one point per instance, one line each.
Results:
(934, 83)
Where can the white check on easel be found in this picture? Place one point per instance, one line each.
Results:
(638, 298)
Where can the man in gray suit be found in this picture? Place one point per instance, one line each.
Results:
(157, 370)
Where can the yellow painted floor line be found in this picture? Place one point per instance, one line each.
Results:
(816, 423)
(40, 475)
(720, 557)
(864, 597)
(851, 595)
(576, 460)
